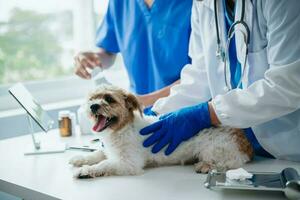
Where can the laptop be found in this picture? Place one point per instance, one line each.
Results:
(38, 115)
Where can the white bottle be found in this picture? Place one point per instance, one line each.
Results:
(85, 124)
(98, 77)
(74, 122)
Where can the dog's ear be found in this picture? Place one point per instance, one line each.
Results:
(132, 103)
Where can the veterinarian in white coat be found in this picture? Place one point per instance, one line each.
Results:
(269, 101)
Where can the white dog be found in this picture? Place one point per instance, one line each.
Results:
(118, 119)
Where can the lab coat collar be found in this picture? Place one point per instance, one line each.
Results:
(221, 16)
(248, 16)
(222, 28)
(240, 44)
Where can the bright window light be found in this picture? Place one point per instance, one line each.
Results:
(38, 39)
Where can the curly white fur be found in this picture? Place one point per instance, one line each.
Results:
(123, 153)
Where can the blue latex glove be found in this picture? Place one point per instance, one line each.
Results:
(176, 127)
(148, 111)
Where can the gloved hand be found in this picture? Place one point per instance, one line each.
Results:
(176, 127)
(148, 111)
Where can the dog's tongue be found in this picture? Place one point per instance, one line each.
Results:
(100, 124)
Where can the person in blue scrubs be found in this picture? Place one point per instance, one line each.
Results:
(153, 38)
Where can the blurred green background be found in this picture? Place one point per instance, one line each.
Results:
(28, 40)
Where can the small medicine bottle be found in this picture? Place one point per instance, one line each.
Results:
(65, 123)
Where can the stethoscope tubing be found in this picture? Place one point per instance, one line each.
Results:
(224, 54)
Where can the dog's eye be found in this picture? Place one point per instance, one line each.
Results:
(109, 99)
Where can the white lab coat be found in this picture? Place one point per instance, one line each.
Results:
(270, 99)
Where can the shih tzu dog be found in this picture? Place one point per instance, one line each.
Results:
(118, 119)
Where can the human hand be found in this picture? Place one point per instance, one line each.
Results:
(85, 61)
(176, 127)
(149, 112)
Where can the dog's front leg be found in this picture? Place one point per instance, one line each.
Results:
(91, 159)
(108, 168)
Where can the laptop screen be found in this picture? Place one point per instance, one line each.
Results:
(31, 106)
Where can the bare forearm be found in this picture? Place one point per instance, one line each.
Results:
(213, 116)
(107, 59)
(150, 99)
(164, 91)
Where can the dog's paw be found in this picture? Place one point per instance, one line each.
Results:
(87, 171)
(82, 172)
(203, 167)
(78, 161)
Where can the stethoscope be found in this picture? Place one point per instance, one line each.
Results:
(223, 54)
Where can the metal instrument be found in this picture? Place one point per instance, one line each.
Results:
(287, 181)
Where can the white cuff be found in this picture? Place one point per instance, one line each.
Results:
(216, 104)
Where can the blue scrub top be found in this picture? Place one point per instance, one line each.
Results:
(153, 42)
(235, 65)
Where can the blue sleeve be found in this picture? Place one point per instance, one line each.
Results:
(106, 33)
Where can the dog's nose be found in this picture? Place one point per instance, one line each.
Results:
(94, 108)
